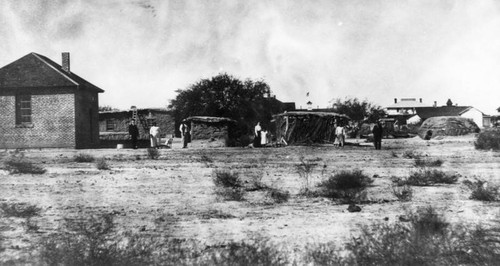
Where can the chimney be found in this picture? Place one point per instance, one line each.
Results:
(395, 100)
(420, 100)
(435, 104)
(65, 62)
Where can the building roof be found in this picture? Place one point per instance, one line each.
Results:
(426, 112)
(209, 119)
(142, 110)
(315, 113)
(34, 70)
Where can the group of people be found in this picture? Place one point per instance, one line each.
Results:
(260, 136)
(154, 135)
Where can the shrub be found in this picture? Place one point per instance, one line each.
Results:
(17, 165)
(427, 239)
(483, 191)
(256, 251)
(92, 241)
(278, 195)
(426, 177)
(304, 169)
(231, 193)
(153, 153)
(411, 154)
(84, 158)
(345, 185)
(403, 193)
(428, 163)
(226, 178)
(488, 139)
(21, 210)
(102, 164)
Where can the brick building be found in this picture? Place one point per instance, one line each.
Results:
(45, 105)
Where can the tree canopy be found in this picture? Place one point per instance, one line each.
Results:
(359, 111)
(225, 96)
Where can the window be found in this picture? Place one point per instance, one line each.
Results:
(110, 125)
(23, 109)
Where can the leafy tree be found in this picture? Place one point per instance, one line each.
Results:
(358, 111)
(106, 108)
(226, 96)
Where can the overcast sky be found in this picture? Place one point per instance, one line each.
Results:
(140, 52)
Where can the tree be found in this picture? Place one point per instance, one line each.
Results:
(358, 111)
(107, 108)
(226, 96)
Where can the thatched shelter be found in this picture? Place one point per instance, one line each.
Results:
(209, 128)
(307, 127)
(447, 126)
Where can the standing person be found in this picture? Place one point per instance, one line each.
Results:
(340, 134)
(263, 138)
(154, 134)
(377, 135)
(184, 129)
(257, 130)
(133, 131)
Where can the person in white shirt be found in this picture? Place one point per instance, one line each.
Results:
(154, 134)
(186, 137)
(340, 135)
(256, 140)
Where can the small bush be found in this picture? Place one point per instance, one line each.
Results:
(231, 193)
(304, 169)
(226, 178)
(428, 163)
(153, 153)
(16, 165)
(426, 177)
(483, 191)
(277, 195)
(256, 251)
(83, 158)
(427, 239)
(346, 185)
(102, 164)
(403, 193)
(488, 139)
(411, 154)
(21, 210)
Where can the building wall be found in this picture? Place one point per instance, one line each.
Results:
(53, 121)
(475, 115)
(87, 119)
(216, 131)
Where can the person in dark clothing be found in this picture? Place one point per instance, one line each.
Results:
(377, 135)
(185, 133)
(133, 131)
(257, 139)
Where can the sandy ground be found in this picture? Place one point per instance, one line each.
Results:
(175, 194)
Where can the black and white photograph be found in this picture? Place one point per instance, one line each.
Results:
(250, 132)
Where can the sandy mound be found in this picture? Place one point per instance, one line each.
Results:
(447, 126)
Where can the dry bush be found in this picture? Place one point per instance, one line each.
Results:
(403, 193)
(153, 153)
(345, 185)
(278, 195)
(215, 214)
(19, 165)
(255, 251)
(427, 239)
(230, 193)
(483, 191)
(428, 177)
(20, 210)
(488, 139)
(428, 163)
(412, 154)
(83, 158)
(226, 178)
(304, 169)
(102, 164)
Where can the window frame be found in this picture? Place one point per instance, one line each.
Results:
(110, 124)
(24, 110)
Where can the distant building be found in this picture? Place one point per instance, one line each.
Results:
(45, 105)
(113, 125)
(404, 110)
(208, 131)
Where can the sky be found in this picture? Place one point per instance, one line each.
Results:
(141, 51)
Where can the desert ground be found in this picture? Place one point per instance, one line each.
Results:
(174, 194)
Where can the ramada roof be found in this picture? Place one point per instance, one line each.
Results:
(426, 112)
(209, 119)
(37, 71)
(320, 114)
